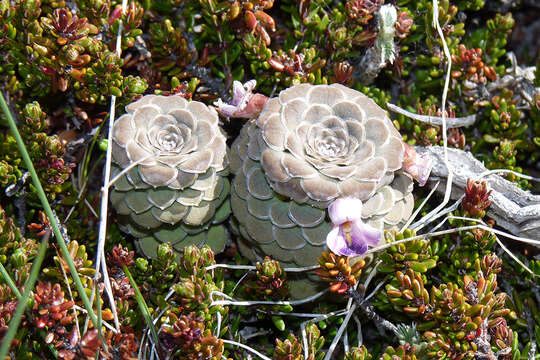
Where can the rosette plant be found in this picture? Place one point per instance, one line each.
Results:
(309, 146)
(176, 187)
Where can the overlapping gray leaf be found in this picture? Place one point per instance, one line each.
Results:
(317, 143)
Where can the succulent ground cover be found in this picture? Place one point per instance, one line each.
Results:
(74, 284)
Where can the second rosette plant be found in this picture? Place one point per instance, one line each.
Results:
(308, 147)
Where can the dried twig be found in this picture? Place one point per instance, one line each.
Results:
(413, 216)
(513, 209)
(339, 333)
(126, 169)
(448, 188)
(434, 120)
(356, 296)
(105, 198)
(234, 302)
(252, 267)
(250, 349)
(370, 312)
(504, 248)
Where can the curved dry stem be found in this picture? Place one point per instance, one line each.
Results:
(234, 302)
(105, 195)
(443, 112)
(434, 120)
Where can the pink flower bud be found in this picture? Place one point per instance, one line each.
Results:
(244, 104)
(419, 167)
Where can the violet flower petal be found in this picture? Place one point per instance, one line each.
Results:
(357, 246)
(366, 234)
(352, 252)
(244, 104)
(238, 93)
(242, 93)
(345, 209)
(337, 243)
(335, 240)
(225, 109)
(345, 213)
(250, 85)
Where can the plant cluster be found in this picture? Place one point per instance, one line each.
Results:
(456, 295)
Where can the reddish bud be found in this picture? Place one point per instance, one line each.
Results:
(276, 65)
(116, 14)
(251, 20)
(266, 20)
(47, 70)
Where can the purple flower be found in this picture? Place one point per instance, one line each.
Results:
(350, 235)
(244, 104)
(419, 167)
